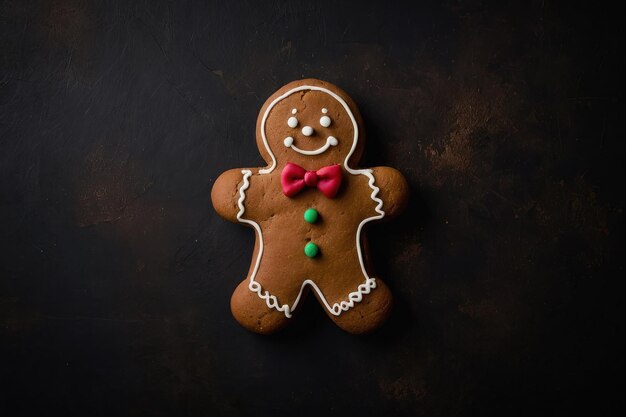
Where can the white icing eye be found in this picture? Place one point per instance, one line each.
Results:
(292, 122)
(307, 130)
(325, 121)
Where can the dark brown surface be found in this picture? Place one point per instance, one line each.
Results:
(115, 273)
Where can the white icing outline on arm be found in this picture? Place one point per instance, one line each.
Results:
(370, 283)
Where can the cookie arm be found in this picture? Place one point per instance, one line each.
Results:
(394, 190)
(225, 194)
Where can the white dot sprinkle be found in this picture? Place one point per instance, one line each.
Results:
(325, 121)
(292, 122)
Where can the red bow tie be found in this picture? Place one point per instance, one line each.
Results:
(294, 178)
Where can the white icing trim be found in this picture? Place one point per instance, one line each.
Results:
(330, 141)
(370, 283)
(242, 196)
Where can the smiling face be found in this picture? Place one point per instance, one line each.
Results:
(308, 131)
(310, 123)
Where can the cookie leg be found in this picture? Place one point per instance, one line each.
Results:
(253, 313)
(369, 314)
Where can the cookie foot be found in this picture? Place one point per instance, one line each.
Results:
(369, 314)
(253, 313)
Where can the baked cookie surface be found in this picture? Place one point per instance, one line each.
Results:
(309, 208)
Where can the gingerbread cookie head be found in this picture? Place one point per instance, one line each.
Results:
(310, 123)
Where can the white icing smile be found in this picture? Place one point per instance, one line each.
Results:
(331, 141)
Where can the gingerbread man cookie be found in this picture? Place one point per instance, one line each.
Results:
(309, 208)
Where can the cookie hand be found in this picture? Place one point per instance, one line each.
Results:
(394, 190)
(225, 194)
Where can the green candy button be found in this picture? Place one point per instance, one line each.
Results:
(311, 250)
(310, 216)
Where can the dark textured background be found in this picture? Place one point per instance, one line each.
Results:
(116, 117)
